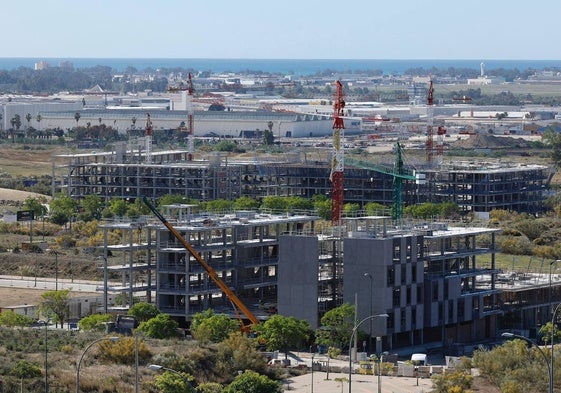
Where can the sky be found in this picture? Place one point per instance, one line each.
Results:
(287, 29)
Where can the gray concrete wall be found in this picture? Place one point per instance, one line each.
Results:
(298, 278)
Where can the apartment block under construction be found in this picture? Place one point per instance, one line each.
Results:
(426, 278)
(129, 173)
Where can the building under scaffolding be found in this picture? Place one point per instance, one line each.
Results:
(127, 173)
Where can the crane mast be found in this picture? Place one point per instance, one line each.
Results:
(188, 97)
(337, 160)
(430, 124)
(148, 139)
(190, 119)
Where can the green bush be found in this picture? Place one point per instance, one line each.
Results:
(95, 322)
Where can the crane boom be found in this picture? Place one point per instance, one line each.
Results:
(236, 302)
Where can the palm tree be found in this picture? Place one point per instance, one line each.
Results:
(28, 118)
(38, 118)
(77, 117)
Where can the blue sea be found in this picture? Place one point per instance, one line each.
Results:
(283, 66)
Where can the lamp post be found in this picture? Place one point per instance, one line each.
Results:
(312, 386)
(371, 311)
(552, 324)
(55, 253)
(157, 367)
(46, 323)
(355, 328)
(105, 278)
(549, 369)
(553, 321)
(82, 357)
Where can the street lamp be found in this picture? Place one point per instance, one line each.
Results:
(549, 369)
(552, 323)
(55, 253)
(157, 367)
(82, 357)
(312, 386)
(355, 328)
(371, 311)
(105, 278)
(46, 323)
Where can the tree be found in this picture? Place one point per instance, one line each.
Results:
(336, 326)
(552, 138)
(16, 121)
(92, 206)
(143, 311)
(28, 118)
(13, 319)
(215, 328)
(24, 369)
(239, 352)
(246, 203)
(38, 119)
(268, 138)
(173, 382)
(62, 208)
(252, 382)
(77, 117)
(55, 305)
(118, 207)
(322, 206)
(36, 204)
(545, 333)
(94, 322)
(161, 326)
(284, 333)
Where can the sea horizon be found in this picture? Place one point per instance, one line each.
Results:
(282, 66)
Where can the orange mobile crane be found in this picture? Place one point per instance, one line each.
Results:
(236, 302)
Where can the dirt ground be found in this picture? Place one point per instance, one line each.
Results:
(17, 297)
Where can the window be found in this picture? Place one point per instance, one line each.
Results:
(396, 250)
(396, 297)
(414, 273)
(403, 274)
(408, 295)
(435, 291)
(389, 321)
(390, 279)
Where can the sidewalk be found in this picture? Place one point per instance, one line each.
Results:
(339, 382)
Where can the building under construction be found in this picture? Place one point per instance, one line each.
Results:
(128, 173)
(426, 278)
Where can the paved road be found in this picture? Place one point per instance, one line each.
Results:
(49, 283)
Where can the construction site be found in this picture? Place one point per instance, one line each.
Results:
(424, 276)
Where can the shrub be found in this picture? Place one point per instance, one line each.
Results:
(94, 322)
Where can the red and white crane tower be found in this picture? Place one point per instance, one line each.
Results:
(188, 98)
(430, 123)
(440, 132)
(148, 139)
(337, 160)
(190, 119)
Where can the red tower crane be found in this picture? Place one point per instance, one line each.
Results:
(430, 121)
(190, 114)
(337, 161)
(148, 139)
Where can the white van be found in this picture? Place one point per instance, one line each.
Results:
(419, 359)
